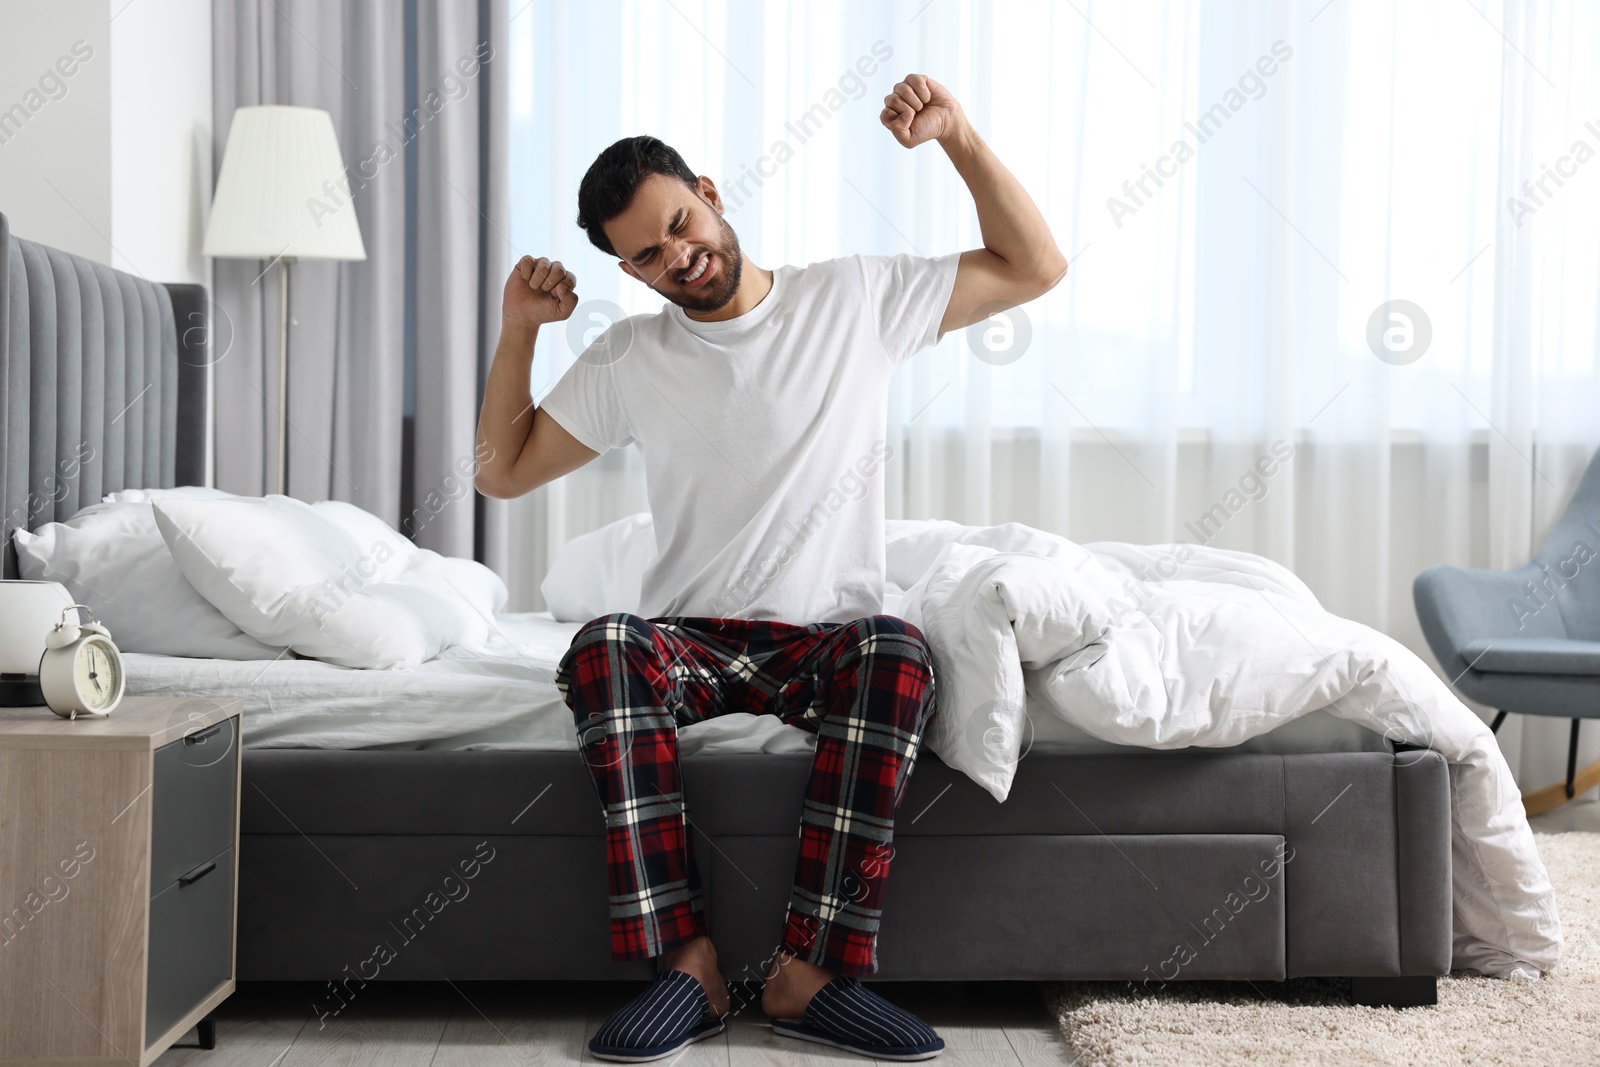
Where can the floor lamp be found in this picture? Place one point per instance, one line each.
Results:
(282, 196)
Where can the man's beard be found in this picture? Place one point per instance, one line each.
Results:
(721, 289)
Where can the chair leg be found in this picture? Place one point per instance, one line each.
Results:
(1499, 718)
(1572, 756)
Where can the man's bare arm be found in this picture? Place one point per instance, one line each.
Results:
(1019, 260)
(519, 447)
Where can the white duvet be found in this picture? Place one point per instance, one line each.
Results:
(1168, 646)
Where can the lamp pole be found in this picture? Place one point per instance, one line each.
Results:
(283, 376)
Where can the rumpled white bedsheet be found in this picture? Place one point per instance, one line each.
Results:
(1167, 646)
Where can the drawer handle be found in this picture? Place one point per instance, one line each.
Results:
(200, 738)
(197, 874)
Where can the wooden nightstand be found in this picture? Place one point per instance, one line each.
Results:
(118, 866)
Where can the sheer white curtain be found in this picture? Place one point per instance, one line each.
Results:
(1241, 187)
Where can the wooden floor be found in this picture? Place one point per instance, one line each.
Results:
(1580, 813)
(535, 1024)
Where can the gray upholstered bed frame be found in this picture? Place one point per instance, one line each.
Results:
(1144, 867)
(106, 383)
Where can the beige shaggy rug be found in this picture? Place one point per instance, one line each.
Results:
(1555, 1020)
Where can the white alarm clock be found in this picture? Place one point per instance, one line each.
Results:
(81, 670)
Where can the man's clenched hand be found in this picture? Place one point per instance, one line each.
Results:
(539, 291)
(920, 109)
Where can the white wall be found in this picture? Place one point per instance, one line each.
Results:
(160, 137)
(55, 129)
(113, 162)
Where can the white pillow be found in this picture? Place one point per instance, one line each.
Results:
(112, 557)
(465, 584)
(368, 530)
(397, 558)
(145, 496)
(389, 551)
(602, 571)
(288, 575)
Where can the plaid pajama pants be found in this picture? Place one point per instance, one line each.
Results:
(865, 688)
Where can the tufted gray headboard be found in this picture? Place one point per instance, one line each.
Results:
(104, 384)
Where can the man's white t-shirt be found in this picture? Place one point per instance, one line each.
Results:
(763, 436)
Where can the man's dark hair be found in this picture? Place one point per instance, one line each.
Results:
(614, 176)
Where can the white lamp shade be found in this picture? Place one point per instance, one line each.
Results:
(282, 190)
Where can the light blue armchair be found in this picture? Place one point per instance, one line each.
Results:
(1527, 640)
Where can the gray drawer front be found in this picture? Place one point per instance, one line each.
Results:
(191, 939)
(193, 797)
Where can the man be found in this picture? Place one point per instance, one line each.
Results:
(758, 400)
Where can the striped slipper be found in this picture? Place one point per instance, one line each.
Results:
(846, 1014)
(671, 1013)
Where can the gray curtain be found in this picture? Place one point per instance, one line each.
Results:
(387, 356)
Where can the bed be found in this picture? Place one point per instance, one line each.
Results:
(362, 790)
